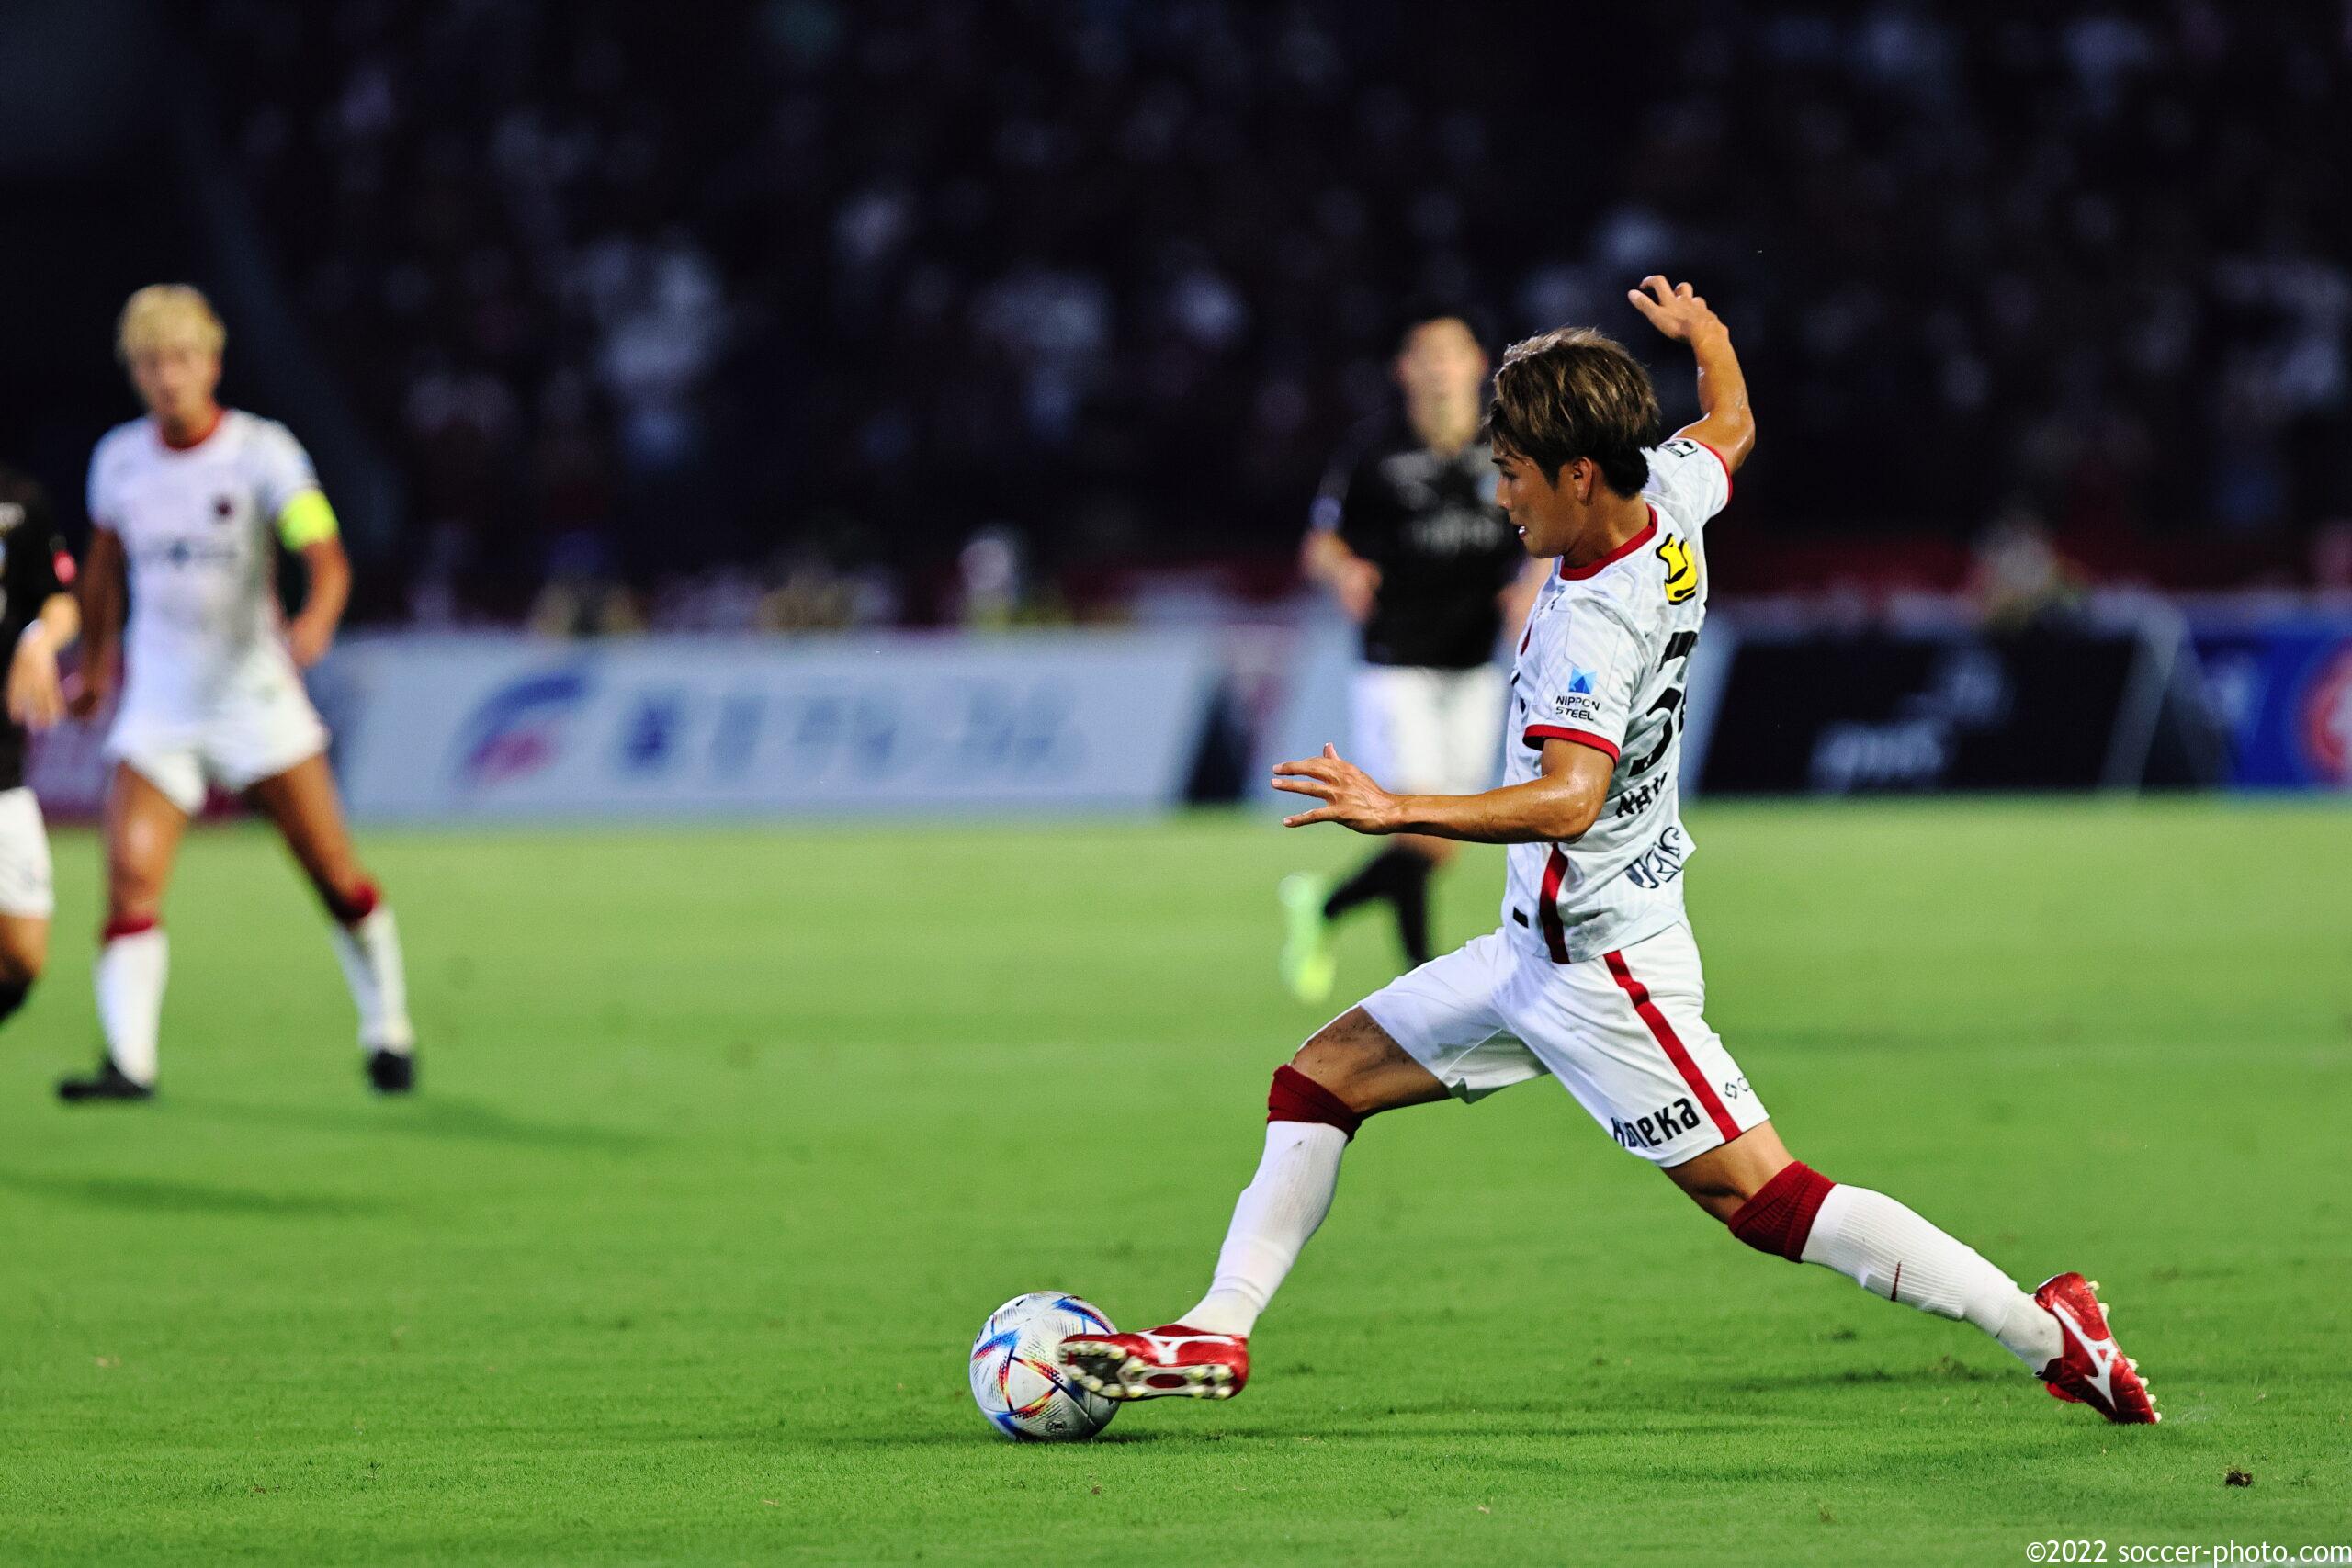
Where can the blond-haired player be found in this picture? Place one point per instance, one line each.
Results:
(182, 505)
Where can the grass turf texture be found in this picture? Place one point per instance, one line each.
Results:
(729, 1139)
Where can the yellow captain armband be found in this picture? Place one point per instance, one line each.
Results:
(306, 520)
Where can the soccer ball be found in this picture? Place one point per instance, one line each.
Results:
(1018, 1378)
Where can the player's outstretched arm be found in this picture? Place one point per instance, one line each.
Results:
(1725, 423)
(1559, 807)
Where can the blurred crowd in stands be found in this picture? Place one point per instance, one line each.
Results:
(811, 313)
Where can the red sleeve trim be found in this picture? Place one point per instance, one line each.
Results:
(1539, 733)
(1719, 458)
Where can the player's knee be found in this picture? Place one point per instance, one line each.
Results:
(1342, 1057)
(132, 909)
(350, 899)
(127, 920)
(1296, 1096)
(1778, 1216)
(21, 962)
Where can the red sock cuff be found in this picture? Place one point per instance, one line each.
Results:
(1779, 1217)
(129, 925)
(1297, 1098)
(358, 907)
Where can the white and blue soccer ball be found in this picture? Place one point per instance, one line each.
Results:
(1018, 1378)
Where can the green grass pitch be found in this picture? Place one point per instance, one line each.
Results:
(731, 1136)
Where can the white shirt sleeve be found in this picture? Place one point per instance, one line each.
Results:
(1587, 667)
(1691, 476)
(281, 469)
(98, 497)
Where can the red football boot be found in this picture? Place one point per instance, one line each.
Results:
(2090, 1369)
(1168, 1362)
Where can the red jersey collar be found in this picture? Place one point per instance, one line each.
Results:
(1578, 574)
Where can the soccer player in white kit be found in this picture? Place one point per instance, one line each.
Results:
(1593, 976)
(182, 506)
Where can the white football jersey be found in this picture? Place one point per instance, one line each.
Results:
(196, 530)
(1602, 662)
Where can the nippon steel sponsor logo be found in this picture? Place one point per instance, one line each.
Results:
(2326, 717)
(519, 728)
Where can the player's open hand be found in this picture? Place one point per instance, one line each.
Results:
(36, 698)
(1674, 308)
(1349, 796)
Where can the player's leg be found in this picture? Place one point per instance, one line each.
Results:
(23, 952)
(147, 809)
(26, 898)
(1708, 1132)
(302, 804)
(1431, 1032)
(1351, 1070)
(1779, 1205)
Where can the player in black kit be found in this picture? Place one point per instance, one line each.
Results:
(1406, 536)
(38, 621)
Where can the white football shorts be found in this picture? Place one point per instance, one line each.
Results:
(254, 735)
(1623, 1031)
(25, 888)
(1421, 731)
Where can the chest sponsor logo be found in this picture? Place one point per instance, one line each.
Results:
(1681, 569)
(1661, 862)
(1663, 1126)
(186, 550)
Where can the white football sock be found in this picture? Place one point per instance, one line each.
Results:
(1278, 1210)
(129, 973)
(370, 954)
(1890, 1251)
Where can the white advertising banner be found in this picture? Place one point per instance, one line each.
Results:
(512, 727)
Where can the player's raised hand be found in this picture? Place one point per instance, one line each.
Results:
(1350, 798)
(1674, 308)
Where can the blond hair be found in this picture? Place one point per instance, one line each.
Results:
(163, 310)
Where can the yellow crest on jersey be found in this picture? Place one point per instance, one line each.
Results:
(1682, 569)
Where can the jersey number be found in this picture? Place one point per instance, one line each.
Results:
(1670, 702)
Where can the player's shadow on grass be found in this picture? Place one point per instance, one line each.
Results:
(977, 1435)
(1944, 1373)
(428, 1116)
(151, 1195)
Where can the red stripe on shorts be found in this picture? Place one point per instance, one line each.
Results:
(1671, 1043)
(1548, 906)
